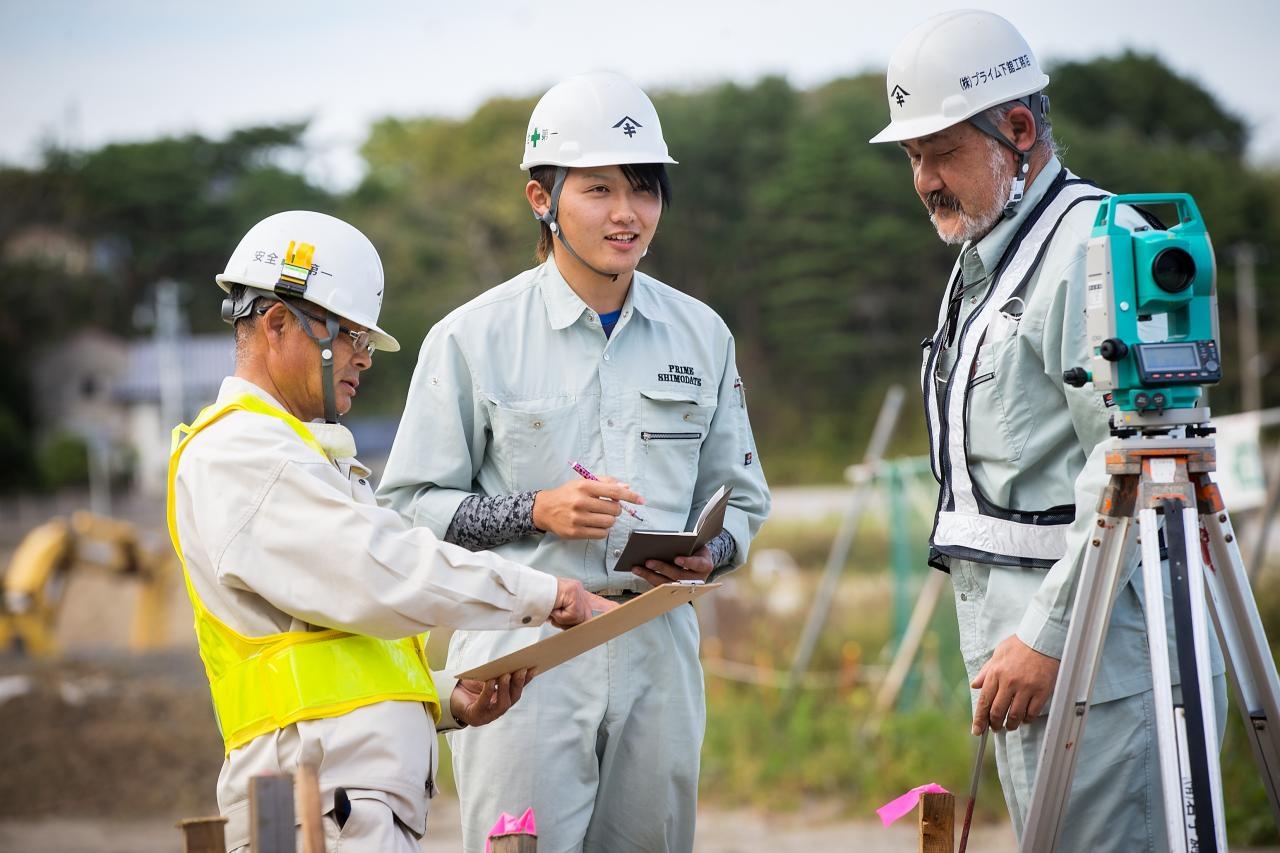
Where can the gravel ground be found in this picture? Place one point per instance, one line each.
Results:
(718, 832)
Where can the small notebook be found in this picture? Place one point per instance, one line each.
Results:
(666, 545)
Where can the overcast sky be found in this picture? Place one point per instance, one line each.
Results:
(87, 72)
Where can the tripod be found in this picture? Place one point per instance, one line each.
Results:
(1153, 473)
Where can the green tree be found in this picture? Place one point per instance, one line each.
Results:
(1140, 92)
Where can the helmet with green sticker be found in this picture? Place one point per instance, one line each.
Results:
(595, 119)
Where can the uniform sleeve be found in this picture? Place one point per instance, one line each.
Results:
(1065, 341)
(729, 456)
(440, 443)
(313, 552)
(445, 683)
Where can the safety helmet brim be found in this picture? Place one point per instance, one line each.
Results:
(382, 341)
(915, 128)
(605, 158)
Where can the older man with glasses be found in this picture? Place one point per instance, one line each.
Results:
(310, 600)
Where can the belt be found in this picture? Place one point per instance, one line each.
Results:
(624, 595)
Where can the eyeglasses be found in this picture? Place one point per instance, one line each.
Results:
(362, 341)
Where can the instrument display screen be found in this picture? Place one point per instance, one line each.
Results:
(1170, 356)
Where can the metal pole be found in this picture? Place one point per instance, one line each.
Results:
(1246, 258)
(169, 364)
(885, 423)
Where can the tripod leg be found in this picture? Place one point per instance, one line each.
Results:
(1201, 818)
(1090, 617)
(1244, 642)
(1162, 682)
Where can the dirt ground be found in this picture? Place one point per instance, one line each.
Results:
(106, 752)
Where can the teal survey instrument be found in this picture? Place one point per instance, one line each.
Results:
(1151, 274)
(1160, 459)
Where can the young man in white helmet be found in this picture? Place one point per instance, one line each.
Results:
(309, 597)
(1019, 454)
(586, 359)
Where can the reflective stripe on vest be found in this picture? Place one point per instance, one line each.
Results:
(260, 684)
(968, 525)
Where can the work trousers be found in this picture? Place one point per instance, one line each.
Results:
(604, 747)
(1116, 803)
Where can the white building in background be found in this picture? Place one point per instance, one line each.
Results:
(198, 363)
(111, 393)
(74, 383)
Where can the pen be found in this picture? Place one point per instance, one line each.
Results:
(587, 475)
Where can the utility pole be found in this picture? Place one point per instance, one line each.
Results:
(168, 328)
(1251, 368)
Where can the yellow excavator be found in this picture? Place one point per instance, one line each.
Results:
(38, 571)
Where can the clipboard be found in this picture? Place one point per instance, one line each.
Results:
(572, 642)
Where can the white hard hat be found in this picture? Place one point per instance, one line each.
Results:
(317, 258)
(954, 66)
(594, 119)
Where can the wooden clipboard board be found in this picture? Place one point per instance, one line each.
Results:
(572, 642)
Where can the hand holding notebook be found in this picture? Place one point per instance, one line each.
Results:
(666, 545)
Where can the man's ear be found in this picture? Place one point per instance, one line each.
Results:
(274, 321)
(1022, 128)
(539, 198)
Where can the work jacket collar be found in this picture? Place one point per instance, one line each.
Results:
(980, 259)
(338, 442)
(564, 306)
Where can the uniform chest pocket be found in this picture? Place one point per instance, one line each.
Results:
(673, 424)
(533, 441)
(999, 417)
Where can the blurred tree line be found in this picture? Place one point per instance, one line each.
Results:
(809, 242)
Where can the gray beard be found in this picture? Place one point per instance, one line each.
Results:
(978, 224)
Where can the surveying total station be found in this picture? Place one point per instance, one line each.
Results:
(1160, 458)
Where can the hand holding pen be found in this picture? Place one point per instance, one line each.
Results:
(587, 475)
(583, 508)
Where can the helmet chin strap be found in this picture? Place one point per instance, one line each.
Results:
(549, 219)
(1018, 188)
(326, 357)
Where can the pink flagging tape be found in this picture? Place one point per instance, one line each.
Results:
(895, 809)
(508, 825)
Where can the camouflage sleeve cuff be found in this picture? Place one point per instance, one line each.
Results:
(483, 522)
(722, 549)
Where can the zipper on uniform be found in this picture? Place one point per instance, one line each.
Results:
(653, 436)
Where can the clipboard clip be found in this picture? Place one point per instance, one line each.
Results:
(694, 582)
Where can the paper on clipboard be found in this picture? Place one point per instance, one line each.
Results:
(572, 642)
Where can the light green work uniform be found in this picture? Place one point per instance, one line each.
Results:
(509, 389)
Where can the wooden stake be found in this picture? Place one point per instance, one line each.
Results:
(937, 823)
(516, 842)
(308, 794)
(203, 834)
(271, 823)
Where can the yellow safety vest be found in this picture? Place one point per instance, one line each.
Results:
(260, 684)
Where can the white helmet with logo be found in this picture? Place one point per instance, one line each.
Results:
(594, 119)
(954, 66)
(313, 257)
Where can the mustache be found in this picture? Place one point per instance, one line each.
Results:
(938, 198)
